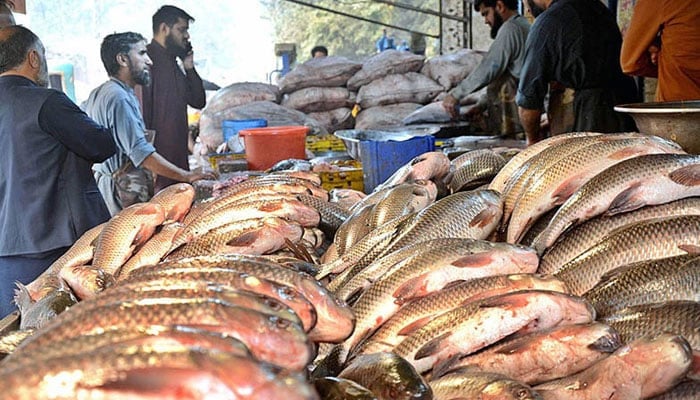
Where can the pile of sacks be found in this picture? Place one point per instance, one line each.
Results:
(390, 88)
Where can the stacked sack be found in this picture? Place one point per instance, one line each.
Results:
(317, 88)
(390, 87)
(248, 100)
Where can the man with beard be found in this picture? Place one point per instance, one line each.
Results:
(6, 17)
(48, 196)
(165, 100)
(122, 179)
(575, 43)
(499, 69)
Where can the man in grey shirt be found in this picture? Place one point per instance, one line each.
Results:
(114, 105)
(500, 68)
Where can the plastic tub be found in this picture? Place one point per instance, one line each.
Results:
(231, 127)
(380, 159)
(264, 147)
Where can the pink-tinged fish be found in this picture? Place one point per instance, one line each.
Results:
(642, 369)
(133, 226)
(153, 251)
(86, 281)
(176, 201)
(432, 165)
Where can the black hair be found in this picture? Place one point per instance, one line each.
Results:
(169, 15)
(510, 4)
(115, 44)
(316, 49)
(15, 46)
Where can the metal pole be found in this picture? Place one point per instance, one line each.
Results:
(421, 10)
(361, 18)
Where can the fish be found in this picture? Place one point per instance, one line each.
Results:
(175, 200)
(387, 376)
(561, 179)
(686, 390)
(475, 168)
(429, 272)
(645, 180)
(641, 369)
(402, 199)
(306, 175)
(419, 312)
(353, 229)
(466, 329)
(291, 210)
(471, 384)
(39, 312)
(153, 251)
(237, 280)
(279, 179)
(583, 236)
(500, 181)
(332, 214)
(432, 165)
(131, 227)
(269, 338)
(346, 198)
(253, 236)
(80, 253)
(332, 388)
(654, 281)
(162, 370)
(544, 356)
(334, 319)
(681, 317)
(645, 240)
(86, 281)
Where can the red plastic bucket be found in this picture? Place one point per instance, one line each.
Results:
(264, 147)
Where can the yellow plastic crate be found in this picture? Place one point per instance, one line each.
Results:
(322, 143)
(349, 177)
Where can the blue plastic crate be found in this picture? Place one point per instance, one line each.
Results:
(380, 159)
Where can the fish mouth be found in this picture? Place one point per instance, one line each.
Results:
(608, 343)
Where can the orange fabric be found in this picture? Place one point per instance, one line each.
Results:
(679, 58)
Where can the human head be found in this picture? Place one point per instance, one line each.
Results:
(537, 7)
(319, 52)
(6, 17)
(495, 12)
(171, 29)
(22, 51)
(124, 57)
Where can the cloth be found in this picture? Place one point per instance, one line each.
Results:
(577, 44)
(48, 196)
(114, 105)
(679, 57)
(500, 69)
(22, 269)
(165, 107)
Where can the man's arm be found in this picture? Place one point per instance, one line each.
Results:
(160, 166)
(634, 55)
(63, 119)
(530, 120)
(195, 87)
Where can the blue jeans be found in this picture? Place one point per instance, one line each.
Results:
(23, 269)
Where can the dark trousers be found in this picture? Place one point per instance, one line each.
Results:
(23, 269)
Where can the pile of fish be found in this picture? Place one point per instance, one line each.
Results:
(567, 270)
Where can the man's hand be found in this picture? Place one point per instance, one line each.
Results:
(188, 59)
(451, 105)
(201, 173)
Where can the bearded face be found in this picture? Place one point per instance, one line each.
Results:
(177, 47)
(141, 75)
(497, 23)
(534, 8)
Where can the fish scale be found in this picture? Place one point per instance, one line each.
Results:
(475, 168)
(176, 201)
(645, 240)
(400, 200)
(559, 180)
(587, 234)
(468, 384)
(628, 185)
(152, 251)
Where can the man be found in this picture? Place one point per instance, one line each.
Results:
(384, 42)
(115, 105)
(165, 100)
(48, 196)
(319, 52)
(663, 40)
(6, 17)
(575, 43)
(499, 69)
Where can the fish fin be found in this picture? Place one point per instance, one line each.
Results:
(22, 298)
(690, 248)
(269, 206)
(453, 284)
(686, 176)
(613, 273)
(244, 239)
(484, 218)
(505, 301)
(445, 366)
(411, 328)
(512, 348)
(300, 252)
(432, 347)
(606, 344)
(412, 288)
(477, 260)
(626, 201)
(565, 190)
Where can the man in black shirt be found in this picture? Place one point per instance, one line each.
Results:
(577, 44)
